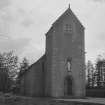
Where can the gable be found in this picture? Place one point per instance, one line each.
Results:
(67, 14)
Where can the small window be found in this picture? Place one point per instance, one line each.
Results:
(67, 28)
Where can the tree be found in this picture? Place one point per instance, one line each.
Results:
(100, 68)
(90, 74)
(8, 70)
(24, 65)
(11, 63)
(93, 76)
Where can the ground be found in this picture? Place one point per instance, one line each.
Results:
(9, 99)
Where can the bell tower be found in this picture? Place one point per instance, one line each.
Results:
(65, 71)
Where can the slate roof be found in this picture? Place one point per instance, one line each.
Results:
(21, 73)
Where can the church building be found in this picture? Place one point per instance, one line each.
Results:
(60, 72)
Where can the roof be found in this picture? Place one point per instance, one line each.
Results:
(68, 11)
(21, 73)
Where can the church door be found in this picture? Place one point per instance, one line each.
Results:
(68, 86)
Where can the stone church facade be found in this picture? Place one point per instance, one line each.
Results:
(60, 72)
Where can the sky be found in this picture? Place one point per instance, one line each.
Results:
(23, 24)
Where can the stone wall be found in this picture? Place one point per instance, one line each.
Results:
(33, 80)
(60, 46)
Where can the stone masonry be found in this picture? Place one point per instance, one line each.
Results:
(61, 71)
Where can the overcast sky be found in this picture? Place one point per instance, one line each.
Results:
(23, 24)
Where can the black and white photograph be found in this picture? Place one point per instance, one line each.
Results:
(52, 52)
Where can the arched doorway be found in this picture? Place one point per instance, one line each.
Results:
(68, 86)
